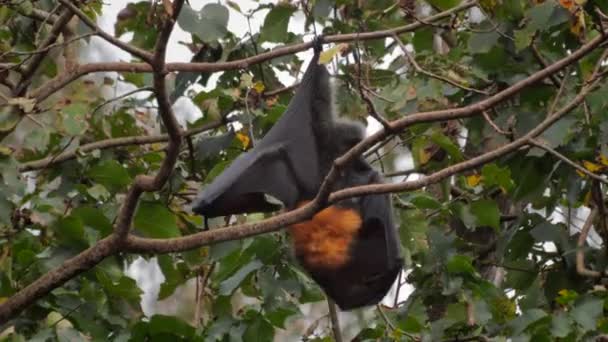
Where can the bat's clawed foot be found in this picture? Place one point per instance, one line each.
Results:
(317, 43)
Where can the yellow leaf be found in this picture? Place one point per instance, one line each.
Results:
(592, 167)
(581, 174)
(473, 180)
(424, 155)
(327, 55)
(568, 4)
(5, 150)
(578, 27)
(587, 198)
(259, 87)
(243, 138)
(603, 160)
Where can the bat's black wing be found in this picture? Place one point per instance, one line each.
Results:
(284, 164)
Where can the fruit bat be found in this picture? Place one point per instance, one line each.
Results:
(351, 249)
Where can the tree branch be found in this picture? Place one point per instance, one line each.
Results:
(59, 82)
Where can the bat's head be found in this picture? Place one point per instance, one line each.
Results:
(358, 288)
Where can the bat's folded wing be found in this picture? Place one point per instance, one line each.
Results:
(242, 187)
(284, 164)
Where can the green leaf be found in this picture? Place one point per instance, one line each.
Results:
(460, 264)
(587, 313)
(486, 213)
(173, 277)
(276, 22)
(111, 175)
(280, 315)
(259, 330)
(447, 145)
(126, 287)
(444, 4)
(6, 210)
(520, 273)
(523, 38)
(154, 220)
(560, 325)
(423, 201)
(423, 39)
(209, 24)
(161, 324)
(558, 132)
(94, 218)
(546, 231)
(525, 320)
(75, 118)
(539, 15)
(9, 118)
(70, 230)
(483, 42)
(230, 284)
(494, 175)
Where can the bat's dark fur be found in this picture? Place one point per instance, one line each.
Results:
(351, 249)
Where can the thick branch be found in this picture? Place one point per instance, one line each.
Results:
(137, 244)
(154, 183)
(466, 165)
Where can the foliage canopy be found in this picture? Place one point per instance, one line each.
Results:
(496, 154)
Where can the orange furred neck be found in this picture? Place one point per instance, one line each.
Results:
(324, 242)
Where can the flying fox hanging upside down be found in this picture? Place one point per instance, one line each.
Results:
(351, 249)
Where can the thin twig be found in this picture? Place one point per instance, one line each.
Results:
(419, 69)
(493, 124)
(580, 253)
(541, 60)
(567, 160)
(558, 96)
(335, 322)
(48, 47)
(122, 96)
(111, 143)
